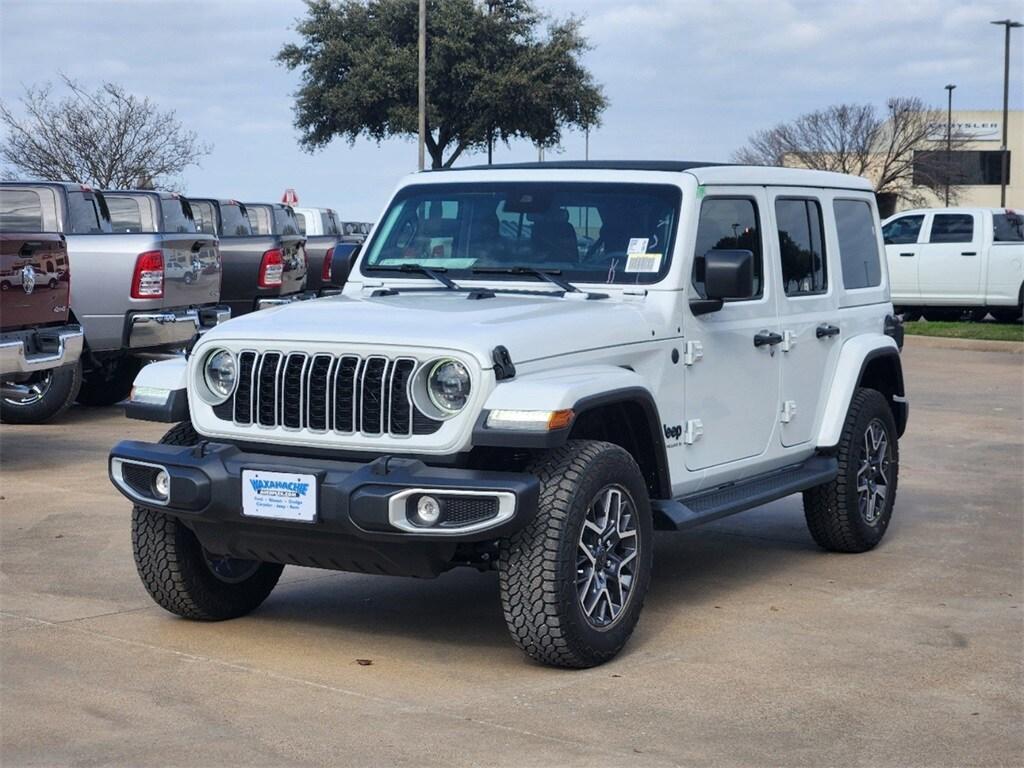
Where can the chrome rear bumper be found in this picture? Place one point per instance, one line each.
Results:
(40, 350)
(172, 327)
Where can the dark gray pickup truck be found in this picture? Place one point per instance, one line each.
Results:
(275, 219)
(259, 266)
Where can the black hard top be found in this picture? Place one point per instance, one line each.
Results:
(673, 166)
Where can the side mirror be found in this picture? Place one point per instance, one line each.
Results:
(728, 274)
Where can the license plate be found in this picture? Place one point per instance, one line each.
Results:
(279, 495)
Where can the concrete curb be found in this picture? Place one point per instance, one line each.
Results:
(969, 345)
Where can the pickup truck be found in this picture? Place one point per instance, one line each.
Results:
(278, 220)
(328, 251)
(130, 293)
(40, 347)
(947, 262)
(255, 273)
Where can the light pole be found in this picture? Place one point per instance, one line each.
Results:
(949, 138)
(1005, 171)
(422, 95)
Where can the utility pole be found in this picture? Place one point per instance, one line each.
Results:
(423, 84)
(1005, 171)
(949, 138)
(586, 145)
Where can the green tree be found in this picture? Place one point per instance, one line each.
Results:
(492, 74)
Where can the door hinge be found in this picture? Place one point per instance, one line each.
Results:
(788, 411)
(693, 432)
(788, 341)
(693, 352)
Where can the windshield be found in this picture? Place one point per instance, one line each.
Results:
(588, 232)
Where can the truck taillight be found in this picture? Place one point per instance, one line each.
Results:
(271, 268)
(325, 273)
(148, 280)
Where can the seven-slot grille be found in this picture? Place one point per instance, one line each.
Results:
(347, 394)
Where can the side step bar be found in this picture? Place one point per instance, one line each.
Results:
(689, 511)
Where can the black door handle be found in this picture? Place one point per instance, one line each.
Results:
(906, 254)
(826, 331)
(767, 338)
(968, 253)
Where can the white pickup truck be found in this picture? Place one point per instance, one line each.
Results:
(946, 262)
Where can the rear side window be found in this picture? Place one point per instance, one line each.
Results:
(177, 215)
(84, 214)
(330, 223)
(728, 223)
(21, 210)
(801, 246)
(902, 231)
(284, 222)
(858, 244)
(952, 228)
(300, 220)
(259, 217)
(205, 216)
(234, 221)
(125, 214)
(1008, 227)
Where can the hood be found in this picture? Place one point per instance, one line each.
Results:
(530, 326)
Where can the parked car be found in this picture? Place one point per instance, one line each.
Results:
(279, 220)
(483, 396)
(945, 262)
(127, 303)
(255, 274)
(327, 250)
(40, 346)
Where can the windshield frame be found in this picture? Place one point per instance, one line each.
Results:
(674, 196)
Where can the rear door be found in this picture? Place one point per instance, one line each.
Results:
(1005, 274)
(950, 259)
(192, 266)
(902, 251)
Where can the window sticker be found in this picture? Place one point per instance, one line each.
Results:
(643, 262)
(637, 245)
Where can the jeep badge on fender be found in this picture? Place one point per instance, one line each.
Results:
(495, 388)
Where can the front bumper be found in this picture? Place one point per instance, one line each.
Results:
(172, 327)
(355, 502)
(40, 350)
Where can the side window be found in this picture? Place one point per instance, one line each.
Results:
(801, 246)
(234, 220)
(177, 215)
(728, 223)
(858, 244)
(21, 210)
(902, 231)
(952, 228)
(205, 216)
(84, 216)
(1008, 227)
(300, 221)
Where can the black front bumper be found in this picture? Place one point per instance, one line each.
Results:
(352, 529)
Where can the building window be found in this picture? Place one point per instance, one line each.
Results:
(961, 167)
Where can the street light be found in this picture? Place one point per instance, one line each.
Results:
(949, 138)
(1005, 172)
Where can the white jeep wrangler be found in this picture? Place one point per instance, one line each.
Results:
(531, 369)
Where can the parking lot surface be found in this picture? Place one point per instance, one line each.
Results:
(754, 648)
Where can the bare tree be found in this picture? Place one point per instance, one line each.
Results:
(901, 150)
(106, 138)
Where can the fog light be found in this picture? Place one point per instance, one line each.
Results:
(428, 510)
(162, 484)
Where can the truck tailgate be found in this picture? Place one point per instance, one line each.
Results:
(294, 278)
(192, 269)
(316, 249)
(33, 279)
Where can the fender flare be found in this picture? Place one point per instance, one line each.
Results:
(165, 379)
(854, 359)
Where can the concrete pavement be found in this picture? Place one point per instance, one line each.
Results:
(755, 648)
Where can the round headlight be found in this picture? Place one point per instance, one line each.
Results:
(448, 386)
(220, 374)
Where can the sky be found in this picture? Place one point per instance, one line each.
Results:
(685, 79)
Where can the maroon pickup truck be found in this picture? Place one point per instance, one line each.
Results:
(40, 370)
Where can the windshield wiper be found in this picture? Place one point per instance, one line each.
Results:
(437, 273)
(547, 275)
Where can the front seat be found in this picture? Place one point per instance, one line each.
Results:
(554, 238)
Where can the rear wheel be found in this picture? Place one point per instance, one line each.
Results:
(110, 383)
(852, 512)
(573, 581)
(44, 396)
(182, 576)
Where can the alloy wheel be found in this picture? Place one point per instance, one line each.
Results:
(606, 556)
(29, 393)
(873, 473)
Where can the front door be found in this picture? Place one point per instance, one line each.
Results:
(732, 386)
(902, 251)
(950, 260)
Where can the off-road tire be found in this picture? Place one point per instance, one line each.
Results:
(109, 385)
(59, 396)
(172, 565)
(537, 565)
(831, 510)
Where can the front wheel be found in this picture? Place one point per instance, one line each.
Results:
(852, 512)
(182, 576)
(573, 580)
(44, 396)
